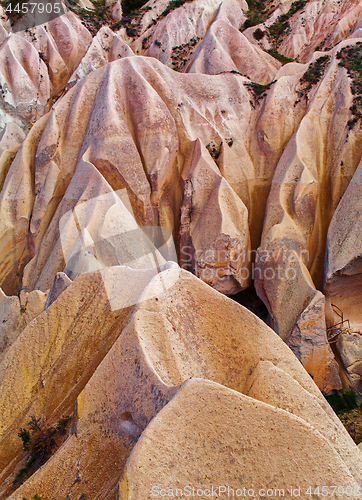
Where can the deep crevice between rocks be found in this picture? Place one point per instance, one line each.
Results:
(249, 299)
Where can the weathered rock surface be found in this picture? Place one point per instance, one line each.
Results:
(209, 435)
(15, 314)
(16, 201)
(121, 159)
(58, 352)
(245, 140)
(35, 66)
(60, 283)
(24, 82)
(105, 47)
(320, 26)
(298, 214)
(214, 233)
(178, 28)
(252, 167)
(343, 271)
(61, 43)
(10, 140)
(343, 275)
(224, 48)
(171, 337)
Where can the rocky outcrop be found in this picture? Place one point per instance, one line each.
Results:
(25, 86)
(225, 48)
(298, 214)
(320, 26)
(170, 337)
(185, 438)
(35, 66)
(106, 46)
(214, 233)
(128, 156)
(175, 28)
(16, 202)
(342, 279)
(180, 132)
(16, 313)
(342, 282)
(243, 142)
(61, 44)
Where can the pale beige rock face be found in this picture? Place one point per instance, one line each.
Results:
(298, 215)
(320, 26)
(171, 337)
(224, 48)
(74, 158)
(57, 352)
(230, 173)
(209, 435)
(205, 38)
(350, 349)
(343, 279)
(105, 47)
(11, 137)
(24, 80)
(214, 233)
(127, 154)
(308, 342)
(60, 283)
(16, 200)
(274, 386)
(15, 314)
(62, 44)
(10, 140)
(343, 251)
(35, 66)
(191, 20)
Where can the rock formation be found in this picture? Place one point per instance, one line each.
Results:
(153, 164)
(122, 378)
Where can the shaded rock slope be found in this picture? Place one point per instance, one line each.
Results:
(226, 137)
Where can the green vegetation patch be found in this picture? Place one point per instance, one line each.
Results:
(93, 19)
(258, 12)
(341, 402)
(312, 76)
(281, 58)
(350, 414)
(174, 4)
(350, 57)
(130, 6)
(181, 53)
(281, 27)
(132, 23)
(214, 149)
(258, 34)
(132, 20)
(315, 71)
(279, 30)
(39, 441)
(258, 91)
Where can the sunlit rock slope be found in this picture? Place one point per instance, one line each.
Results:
(237, 129)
